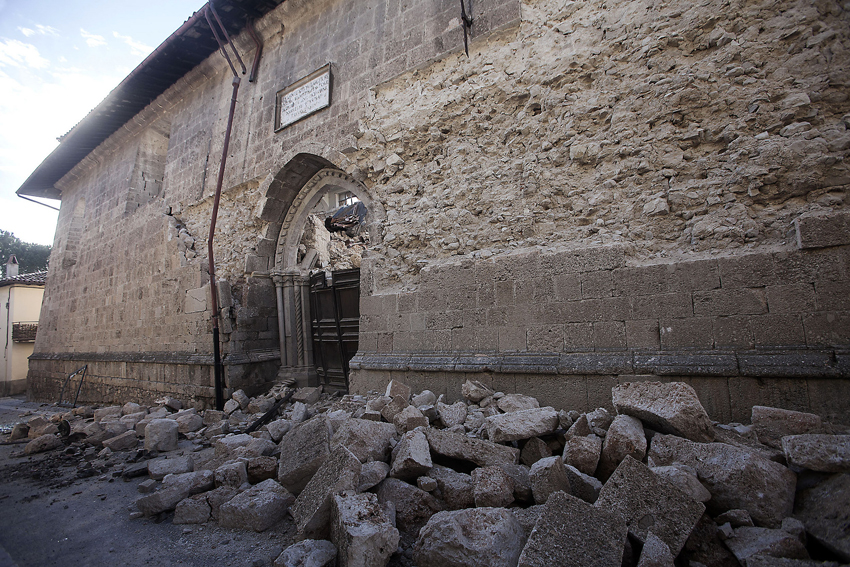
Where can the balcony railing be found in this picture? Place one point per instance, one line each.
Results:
(24, 332)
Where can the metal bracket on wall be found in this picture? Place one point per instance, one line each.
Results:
(467, 23)
(62, 404)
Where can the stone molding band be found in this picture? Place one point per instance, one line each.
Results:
(161, 357)
(765, 363)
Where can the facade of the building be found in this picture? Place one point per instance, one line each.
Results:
(597, 193)
(20, 300)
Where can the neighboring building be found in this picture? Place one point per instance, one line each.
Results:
(600, 192)
(20, 299)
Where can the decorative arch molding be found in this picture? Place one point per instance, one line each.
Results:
(296, 216)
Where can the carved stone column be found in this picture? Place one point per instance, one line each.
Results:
(281, 325)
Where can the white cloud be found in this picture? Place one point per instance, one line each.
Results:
(91, 39)
(27, 31)
(16, 53)
(47, 30)
(136, 47)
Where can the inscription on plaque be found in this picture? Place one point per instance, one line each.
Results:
(303, 98)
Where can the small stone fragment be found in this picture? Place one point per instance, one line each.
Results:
(411, 457)
(475, 391)
(666, 407)
(534, 450)
(476, 537)
(547, 477)
(583, 453)
(522, 424)
(823, 453)
(371, 474)
(625, 437)
(655, 553)
(42, 444)
(161, 435)
(307, 553)
(492, 487)
(258, 508)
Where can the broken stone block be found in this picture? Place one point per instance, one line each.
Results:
(655, 553)
(426, 483)
(748, 541)
(825, 511)
(231, 406)
(527, 518)
(311, 510)
(308, 553)
(225, 447)
(492, 487)
(161, 435)
(424, 398)
(97, 433)
(547, 477)
(146, 486)
(456, 489)
(196, 482)
(258, 508)
(735, 518)
(233, 474)
(189, 423)
(260, 404)
(131, 407)
(219, 496)
(705, 546)
(192, 510)
(398, 389)
(672, 408)
(583, 453)
(261, 468)
(303, 450)
(596, 536)
(132, 419)
(368, 440)
(482, 453)
(599, 420)
(452, 415)
(582, 485)
(534, 450)
(411, 457)
(19, 431)
(241, 398)
(172, 404)
(579, 428)
(213, 416)
(162, 500)
(42, 443)
(371, 474)
(476, 537)
(824, 453)
(685, 479)
(772, 424)
(123, 442)
(517, 402)
(413, 506)
(101, 413)
(625, 437)
(377, 404)
(521, 477)
(277, 429)
(257, 447)
(218, 429)
(159, 468)
(475, 391)
(521, 424)
(363, 535)
(409, 419)
(392, 409)
(735, 477)
(650, 503)
(307, 395)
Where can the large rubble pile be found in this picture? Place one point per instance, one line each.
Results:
(493, 480)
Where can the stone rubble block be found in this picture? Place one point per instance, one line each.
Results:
(424, 398)
(299, 413)
(303, 450)
(650, 503)
(258, 508)
(625, 437)
(196, 482)
(362, 534)
(517, 402)
(131, 408)
(527, 518)
(218, 496)
(241, 398)
(521, 424)
(19, 431)
(123, 442)
(312, 509)
(112, 411)
(42, 443)
(411, 457)
(368, 440)
(231, 406)
(482, 453)
(233, 474)
(261, 468)
(818, 452)
(534, 450)
(189, 423)
(97, 433)
(257, 447)
(452, 415)
(307, 395)
(278, 428)
(583, 453)
(521, 477)
(736, 478)
(749, 541)
(192, 510)
(413, 506)
(825, 512)
(259, 405)
(685, 479)
(164, 499)
(672, 408)
(655, 553)
(308, 553)
(547, 477)
(599, 420)
(225, 446)
(161, 435)
(492, 487)
(426, 483)
(583, 485)
(475, 391)
(159, 468)
(132, 419)
(772, 424)
(409, 419)
(371, 474)
(596, 537)
(396, 388)
(395, 407)
(456, 489)
(475, 537)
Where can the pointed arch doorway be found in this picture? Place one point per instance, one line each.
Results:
(318, 307)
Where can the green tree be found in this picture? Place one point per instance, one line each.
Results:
(31, 257)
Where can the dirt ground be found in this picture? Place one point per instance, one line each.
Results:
(54, 510)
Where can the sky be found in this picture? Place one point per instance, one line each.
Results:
(58, 60)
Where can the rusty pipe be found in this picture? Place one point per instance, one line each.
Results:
(253, 76)
(227, 40)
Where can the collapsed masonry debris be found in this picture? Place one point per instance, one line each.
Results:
(494, 479)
